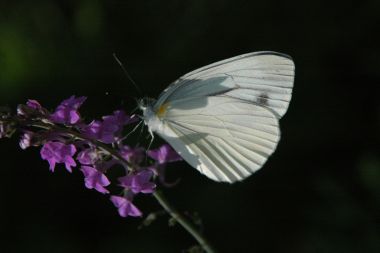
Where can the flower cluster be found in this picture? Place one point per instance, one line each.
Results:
(65, 138)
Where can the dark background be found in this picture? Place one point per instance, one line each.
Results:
(319, 192)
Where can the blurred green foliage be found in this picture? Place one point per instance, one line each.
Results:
(318, 193)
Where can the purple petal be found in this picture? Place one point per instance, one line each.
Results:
(148, 187)
(34, 104)
(126, 181)
(57, 152)
(118, 201)
(74, 117)
(95, 179)
(133, 155)
(88, 156)
(66, 112)
(51, 164)
(69, 162)
(125, 207)
(109, 129)
(100, 131)
(71, 149)
(103, 180)
(87, 170)
(133, 210)
(73, 102)
(32, 108)
(92, 130)
(120, 119)
(164, 154)
(138, 182)
(101, 189)
(26, 139)
(145, 175)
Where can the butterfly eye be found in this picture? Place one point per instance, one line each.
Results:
(141, 103)
(144, 102)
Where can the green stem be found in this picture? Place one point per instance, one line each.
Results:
(185, 223)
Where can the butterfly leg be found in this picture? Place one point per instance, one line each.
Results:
(151, 140)
(132, 131)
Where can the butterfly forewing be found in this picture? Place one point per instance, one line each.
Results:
(264, 78)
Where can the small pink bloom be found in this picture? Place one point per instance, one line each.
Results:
(164, 154)
(95, 179)
(133, 155)
(125, 207)
(88, 156)
(139, 182)
(67, 111)
(34, 104)
(26, 139)
(57, 152)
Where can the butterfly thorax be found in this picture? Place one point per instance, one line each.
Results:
(151, 118)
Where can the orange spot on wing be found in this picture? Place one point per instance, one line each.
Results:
(162, 110)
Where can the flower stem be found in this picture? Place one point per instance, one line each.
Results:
(185, 223)
(79, 136)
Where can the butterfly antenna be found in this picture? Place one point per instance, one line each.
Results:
(137, 106)
(127, 74)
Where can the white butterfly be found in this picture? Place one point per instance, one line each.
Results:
(223, 118)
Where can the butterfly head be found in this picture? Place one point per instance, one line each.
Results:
(145, 102)
(146, 106)
(152, 116)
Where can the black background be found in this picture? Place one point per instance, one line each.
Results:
(319, 192)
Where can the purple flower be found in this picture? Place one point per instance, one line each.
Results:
(66, 112)
(125, 207)
(88, 156)
(31, 109)
(164, 154)
(57, 152)
(110, 128)
(34, 104)
(26, 139)
(133, 155)
(119, 119)
(139, 182)
(100, 131)
(94, 179)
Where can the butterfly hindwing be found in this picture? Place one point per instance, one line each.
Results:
(227, 140)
